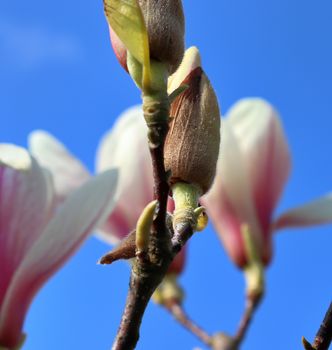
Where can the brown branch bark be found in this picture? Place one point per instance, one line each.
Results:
(147, 273)
(323, 337)
(145, 277)
(179, 314)
(250, 308)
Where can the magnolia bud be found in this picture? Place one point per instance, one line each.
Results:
(223, 341)
(192, 143)
(159, 24)
(164, 21)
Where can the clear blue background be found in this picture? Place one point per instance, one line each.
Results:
(58, 72)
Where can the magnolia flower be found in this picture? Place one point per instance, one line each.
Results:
(252, 170)
(124, 147)
(36, 235)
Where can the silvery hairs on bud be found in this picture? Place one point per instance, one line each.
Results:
(164, 20)
(192, 144)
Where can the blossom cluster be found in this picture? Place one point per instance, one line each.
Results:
(50, 203)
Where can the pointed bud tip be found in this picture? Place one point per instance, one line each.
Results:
(105, 260)
(190, 62)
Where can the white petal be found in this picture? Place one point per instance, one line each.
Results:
(229, 202)
(316, 212)
(14, 157)
(265, 150)
(26, 204)
(76, 218)
(126, 148)
(68, 172)
(191, 60)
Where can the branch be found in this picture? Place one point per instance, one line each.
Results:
(145, 277)
(250, 308)
(324, 335)
(180, 237)
(147, 273)
(177, 311)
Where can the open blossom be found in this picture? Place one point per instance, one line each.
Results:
(124, 147)
(36, 235)
(252, 170)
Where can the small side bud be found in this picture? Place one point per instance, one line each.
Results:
(168, 291)
(143, 228)
(192, 143)
(201, 218)
(222, 341)
(124, 250)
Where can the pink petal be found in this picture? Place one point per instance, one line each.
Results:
(118, 48)
(26, 202)
(316, 212)
(68, 172)
(229, 202)
(126, 148)
(265, 150)
(76, 218)
(178, 263)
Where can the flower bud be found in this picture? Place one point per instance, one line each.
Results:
(164, 21)
(154, 27)
(192, 143)
(169, 291)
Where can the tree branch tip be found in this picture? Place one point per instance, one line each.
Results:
(105, 260)
(306, 344)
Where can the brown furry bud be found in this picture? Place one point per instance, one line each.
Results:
(192, 144)
(164, 20)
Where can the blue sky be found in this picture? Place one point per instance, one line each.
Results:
(58, 73)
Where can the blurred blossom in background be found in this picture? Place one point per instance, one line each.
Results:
(59, 73)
